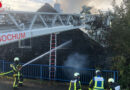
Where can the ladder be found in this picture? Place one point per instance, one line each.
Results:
(52, 58)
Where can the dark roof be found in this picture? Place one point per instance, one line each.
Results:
(47, 8)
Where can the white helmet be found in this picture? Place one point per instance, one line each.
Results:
(16, 59)
(97, 71)
(111, 80)
(76, 74)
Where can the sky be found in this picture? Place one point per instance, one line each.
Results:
(68, 6)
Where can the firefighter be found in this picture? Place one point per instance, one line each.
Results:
(97, 83)
(18, 78)
(113, 85)
(75, 83)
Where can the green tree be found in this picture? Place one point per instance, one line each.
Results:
(119, 42)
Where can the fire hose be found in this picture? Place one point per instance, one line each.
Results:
(60, 46)
(5, 73)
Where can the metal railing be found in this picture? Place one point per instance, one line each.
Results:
(63, 73)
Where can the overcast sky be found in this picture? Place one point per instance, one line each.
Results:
(68, 6)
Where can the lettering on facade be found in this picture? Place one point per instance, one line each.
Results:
(11, 37)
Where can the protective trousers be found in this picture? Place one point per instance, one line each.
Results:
(15, 84)
(18, 80)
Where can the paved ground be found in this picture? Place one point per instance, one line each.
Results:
(6, 84)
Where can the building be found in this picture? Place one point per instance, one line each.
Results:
(57, 7)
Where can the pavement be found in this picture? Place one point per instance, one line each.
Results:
(35, 84)
(6, 84)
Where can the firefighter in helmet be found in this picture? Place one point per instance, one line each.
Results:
(97, 83)
(18, 78)
(75, 83)
(113, 85)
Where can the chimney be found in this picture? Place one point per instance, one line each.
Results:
(57, 7)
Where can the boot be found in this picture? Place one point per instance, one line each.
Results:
(20, 84)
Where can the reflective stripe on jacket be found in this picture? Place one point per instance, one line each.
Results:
(99, 83)
(16, 70)
(75, 85)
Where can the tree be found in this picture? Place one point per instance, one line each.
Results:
(119, 42)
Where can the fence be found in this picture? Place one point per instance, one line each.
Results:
(63, 73)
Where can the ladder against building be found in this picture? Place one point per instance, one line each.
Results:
(52, 58)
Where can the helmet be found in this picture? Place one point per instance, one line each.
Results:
(98, 71)
(76, 74)
(16, 59)
(111, 80)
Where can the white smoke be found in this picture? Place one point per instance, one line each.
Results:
(72, 6)
(75, 6)
(77, 61)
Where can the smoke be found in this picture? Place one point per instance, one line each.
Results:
(72, 6)
(75, 6)
(76, 62)
(100, 4)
